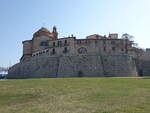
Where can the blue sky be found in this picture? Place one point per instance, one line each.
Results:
(19, 19)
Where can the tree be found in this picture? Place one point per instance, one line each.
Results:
(127, 36)
(128, 41)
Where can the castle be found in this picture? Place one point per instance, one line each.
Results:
(46, 55)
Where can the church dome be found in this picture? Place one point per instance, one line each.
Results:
(46, 32)
(43, 29)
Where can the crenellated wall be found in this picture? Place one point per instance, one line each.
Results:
(75, 66)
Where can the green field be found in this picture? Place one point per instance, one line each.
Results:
(75, 95)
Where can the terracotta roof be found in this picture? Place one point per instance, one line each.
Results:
(43, 29)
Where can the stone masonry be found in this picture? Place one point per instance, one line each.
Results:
(75, 66)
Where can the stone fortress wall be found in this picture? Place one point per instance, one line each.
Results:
(75, 66)
(143, 62)
(46, 55)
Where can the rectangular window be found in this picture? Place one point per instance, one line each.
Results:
(59, 43)
(65, 50)
(65, 42)
(113, 48)
(86, 41)
(53, 51)
(44, 44)
(78, 41)
(112, 42)
(53, 44)
(104, 48)
(104, 41)
(95, 41)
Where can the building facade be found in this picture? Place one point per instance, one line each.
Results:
(46, 55)
(46, 43)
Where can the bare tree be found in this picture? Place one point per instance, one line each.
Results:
(3, 69)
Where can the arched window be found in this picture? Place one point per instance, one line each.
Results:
(82, 50)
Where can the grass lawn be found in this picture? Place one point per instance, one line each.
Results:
(75, 95)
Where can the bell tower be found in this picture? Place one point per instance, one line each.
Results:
(54, 29)
(55, 32)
